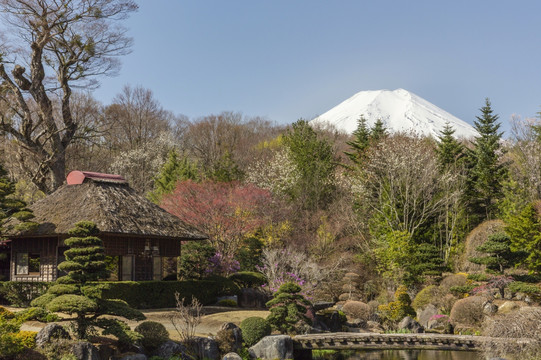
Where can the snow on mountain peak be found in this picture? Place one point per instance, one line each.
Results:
(400, 111)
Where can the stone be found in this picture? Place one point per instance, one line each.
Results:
(508, 307)
(49, 332)
(329, 321)
(490, 309)
(231, 356)
(375, 327)
(84, 350)
(273, 347)
(408, 323)
(252, 298)
(425, 314)
(169, 349)
(206, 348)
(438, 323)
(237, 334)
(134, 357)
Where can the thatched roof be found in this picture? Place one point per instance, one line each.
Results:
(113, 206)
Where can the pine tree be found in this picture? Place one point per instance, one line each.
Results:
(525, 232)
(360, 143)
(487, 173)
(288, 310)
(449, 150)
(12, 207)
(173, 171)
(75, 294)
(499, 253)
(378, 131)
(315, 162)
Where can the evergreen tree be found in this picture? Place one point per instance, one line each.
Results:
(499, 254)
(174, 170)
(426, 261)
(378, 131)
(12, 207)
(360, 143)
(487, 173)
(288, 310)
(315, 162)
(449, 150)
(525, 232)
(75, 294)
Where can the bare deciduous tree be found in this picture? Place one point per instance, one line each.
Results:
(65, 44)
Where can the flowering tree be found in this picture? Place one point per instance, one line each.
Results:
(226, 212)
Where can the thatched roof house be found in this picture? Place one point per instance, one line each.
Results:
(135, 231)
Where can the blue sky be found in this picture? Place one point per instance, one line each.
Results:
(290, 59)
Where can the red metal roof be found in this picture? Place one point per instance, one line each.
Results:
(78, 177)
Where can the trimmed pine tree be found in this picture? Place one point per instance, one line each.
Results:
(78, 295)
(12, 207)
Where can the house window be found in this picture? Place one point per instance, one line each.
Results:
(27, 264)
(156, 268)
(127, 268)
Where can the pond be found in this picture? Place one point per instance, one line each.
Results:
(398, 355)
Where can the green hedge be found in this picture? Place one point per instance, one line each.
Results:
(248, 279)
(21, 293)
(161, 294)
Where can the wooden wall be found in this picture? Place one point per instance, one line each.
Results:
(46, 248)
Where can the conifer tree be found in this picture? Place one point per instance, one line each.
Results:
(174, 170)
(75, 294)
(499, 254)
(525, 232)
(314, 160)
(360, 143)
(12, 207)
(288, 310)
(449, 149)
(378, 131)
(486, 172)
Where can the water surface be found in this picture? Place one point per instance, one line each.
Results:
(400, 355)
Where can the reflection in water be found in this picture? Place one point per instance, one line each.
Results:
(400, 355)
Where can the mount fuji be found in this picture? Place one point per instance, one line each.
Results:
(400, 111)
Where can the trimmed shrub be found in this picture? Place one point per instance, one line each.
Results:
(478, 277)
(428, 295)
(37, 313)
(395, 311)
(357, 310)
(154, 334)
(225, 338)
(288, 310)
(21, 293)
(468, 311)
(12, 344)
(461, 291)
(5, 313)
(254, 329)
(163, 292)
(248, 279)
(522, 287)
(459, 279)
(227, 303)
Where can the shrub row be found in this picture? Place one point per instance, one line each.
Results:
(161, 294)
(21, 293)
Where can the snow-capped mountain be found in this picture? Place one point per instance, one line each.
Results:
(400, 110)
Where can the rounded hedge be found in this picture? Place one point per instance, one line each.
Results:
(248, 279)
(154, 334)
(254, 329)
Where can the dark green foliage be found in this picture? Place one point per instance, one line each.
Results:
(378, 131)
(525, 232)
(254, 329)
(249, 255)
(248, 279)
(225, 169)
(227, 303)
(21, 293)
(163, 292)
(288, 310)
(360, 143)
(11, 207)
(154, 334)
(74, 294)
(478, 277)
(315, 161)
(174, 170)
(522, 287)
(462, 290)
(194, 259)
(499, 254)
(486, 173)
(449, 150)
(426, 261)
